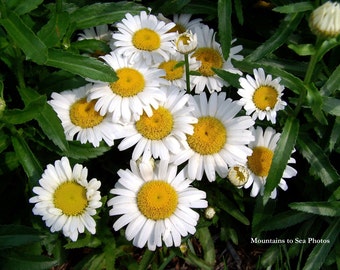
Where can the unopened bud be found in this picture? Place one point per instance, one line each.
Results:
(238, 175)
(209, 212)
(186, 42)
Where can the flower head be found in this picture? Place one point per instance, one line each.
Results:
(186, 42)
(155, 203)
(259, 162)
(163, 132)
(138, 89)
(144, 38)
(238, 175)
(66, 200)
(219, 139)
(324, 21)
(100, 32)
(261, 96)
(79, 117)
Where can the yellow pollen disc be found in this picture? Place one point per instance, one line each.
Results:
(210, 58)
(260, 161)
(157, 200)
(209, 136)
(264, 97)
(157, 126)
(178, 28)
(146, 39)
(83, 114)
(130, 82)
(70, 198)
(172, 72)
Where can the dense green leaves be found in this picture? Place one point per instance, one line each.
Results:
(17, 235)
(331, 208)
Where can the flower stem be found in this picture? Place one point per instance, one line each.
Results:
(187, 75)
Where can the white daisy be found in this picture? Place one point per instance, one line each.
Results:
(100, 32)
(209, 53)
(183, 22)
(219, 139)
(174, 72)
(144, 38)
(260, 160)
(137, 89)
(79, 117)
(163, 133)
(155, 204)
(261, 96)
(186, 43)
(66, 200)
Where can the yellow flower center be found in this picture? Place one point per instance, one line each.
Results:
(130, 82)
(210, 58)
(83, 114)
(157, 126)
(209, 136)
(157, 200)
(260, 161)
(264, 97)
(70, 198)
(172, 72)
(146, 39)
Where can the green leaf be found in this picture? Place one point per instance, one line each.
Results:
(295, 7)
(25, 38)
(331, 105)
(317, 159)
(314, 100)
(92, 46)
(282, 154)
(20, 261)
(31, 111)
(288, 25)
(332, 84)
(84, 66)
(103, 13)
(52, 32)
(231, 78)
(319, 253)
(4, 141)
(8, 162)
(17, 235)
(331, 208)
(224, 8)
(204, 236)
(239, 12)
(82, 152)
(21, 7)
(302, 49)
(27, 159)
(335, 134)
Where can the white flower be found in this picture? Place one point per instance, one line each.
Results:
(261, 96)
(325, 20)
(137, 89)
(219, 139)
(209, 53)
(183, 22)
(238, 175)
(100, 32)
(259, 162)
(164, 132)
(144, 38)
(186, 42)
(155, 204)
(66, 200)
(79, 117)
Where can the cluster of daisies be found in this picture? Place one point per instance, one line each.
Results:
(168, 106)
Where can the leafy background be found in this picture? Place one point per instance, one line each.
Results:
(40, 54)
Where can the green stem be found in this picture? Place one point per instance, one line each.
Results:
(146, 260)
(187, 71)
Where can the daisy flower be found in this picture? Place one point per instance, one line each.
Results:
(79, 117)
(66, 200)
(175, 73)
(219, 139)
(162, 133)
(183, 22)
(209, 53)
(137, 89)
(100, 32)
(144, 38)
(260, 160)
(156, 204)
(261, 96)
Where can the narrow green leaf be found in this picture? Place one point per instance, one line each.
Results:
(31, 111)
(25, 38)
(84, 66)
(22, 7)
(314, 100)
(295, 7)
(231, 78)
(331, 105)
(92, 46)
(302, 49)
(8, 162)
(229, 207)
(335, 134)
(282, 154)
(331, 208)
(332, 84)
(224, 8)
(17, 235)
(317, 159)
(288, 25)
(204, 236)
(82, 152)
(27, 159)
(239, 11)
(20, 261)
(103, 13)
(319, 253)
(4, 141)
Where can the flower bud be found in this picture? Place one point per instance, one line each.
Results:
(186, 42)
(2, 106)
(238, 175)
(209, 212)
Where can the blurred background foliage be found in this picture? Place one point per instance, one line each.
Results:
(40, 54)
